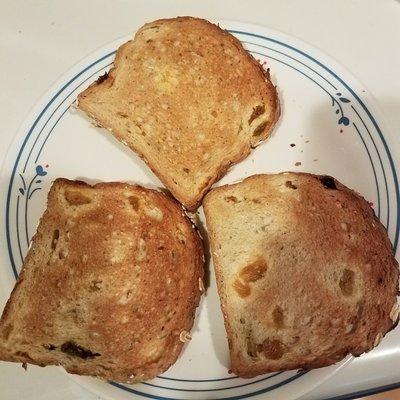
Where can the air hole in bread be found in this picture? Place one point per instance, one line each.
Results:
(257, 111)
(49, 347)
(214, 114)
(253, 348)
(180, 236)
(242, 321)
(122, 114)
(7, 331)
(328, 182)
(273, 349)
(74, 315)
(73, 349)
(54, 240)
(62, 254)
(290, 185)
(134, 202)
(186, 170)
(345, 227)
(136, 310)
(256, 201)
(231, 199)
(95, 286)
(260, 129)
(346, 282)
(75, 198)
(278, 317)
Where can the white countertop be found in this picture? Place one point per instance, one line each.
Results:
(40, 40)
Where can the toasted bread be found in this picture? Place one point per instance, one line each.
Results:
(305, 272)
(188, 99)
(110, 284)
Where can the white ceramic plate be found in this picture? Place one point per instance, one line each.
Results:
(326, 114)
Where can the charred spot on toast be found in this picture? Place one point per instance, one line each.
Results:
(73, 349)
(257, 111)
(328, 182)
(102, 78)
(290, 185)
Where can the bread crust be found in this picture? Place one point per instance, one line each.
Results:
(330, 280)
(109, 286)
(236, 79)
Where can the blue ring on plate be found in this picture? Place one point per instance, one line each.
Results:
(243, 396)
(210, 390)
(242, 32)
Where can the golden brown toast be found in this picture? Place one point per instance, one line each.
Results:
(110, 284)
(188, 99)
(305, 272)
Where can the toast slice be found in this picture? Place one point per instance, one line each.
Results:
(110, 284)
(188, 99)
(305, 272)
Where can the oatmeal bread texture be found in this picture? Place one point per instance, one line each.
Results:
(305, 271)
(110, 284)
(188, 99)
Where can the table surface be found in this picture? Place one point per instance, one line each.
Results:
(40, 40)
